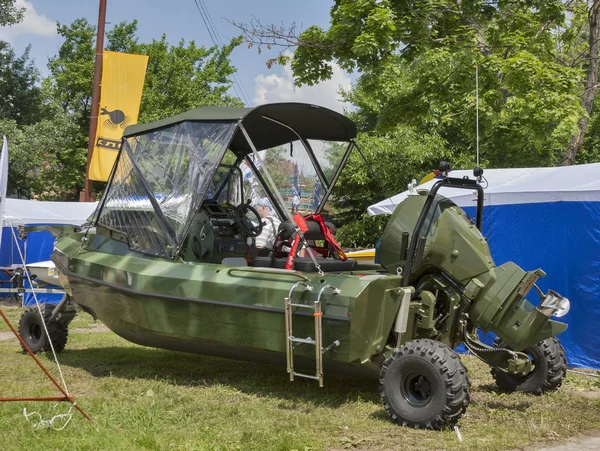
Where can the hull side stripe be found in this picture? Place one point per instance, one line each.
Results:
(185, 299)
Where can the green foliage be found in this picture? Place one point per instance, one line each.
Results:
(72, 71)
(9, 13)
(44, 162)
(417, 86)
(590, 153)
(20, 97)
(395, 158)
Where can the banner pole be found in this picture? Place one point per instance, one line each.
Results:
(87, 193)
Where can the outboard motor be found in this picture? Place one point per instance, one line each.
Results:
(429, 234)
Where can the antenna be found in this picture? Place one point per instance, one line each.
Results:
(477, 107)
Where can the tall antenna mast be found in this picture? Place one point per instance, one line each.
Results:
(87, 194)
(477, 107)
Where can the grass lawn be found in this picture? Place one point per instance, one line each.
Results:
(143, 398)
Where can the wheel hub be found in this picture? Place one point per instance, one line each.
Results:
(416, 389)
(35, 332)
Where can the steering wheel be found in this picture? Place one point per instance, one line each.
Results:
(246, 223)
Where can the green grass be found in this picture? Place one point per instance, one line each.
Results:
(143, 398)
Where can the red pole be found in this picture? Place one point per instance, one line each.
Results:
(87, 194)
(55, 398)
(66, 397)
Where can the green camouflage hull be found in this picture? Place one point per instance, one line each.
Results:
(226, 310)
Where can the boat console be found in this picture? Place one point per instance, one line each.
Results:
(220, 231)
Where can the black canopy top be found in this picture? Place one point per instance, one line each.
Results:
(309, 121)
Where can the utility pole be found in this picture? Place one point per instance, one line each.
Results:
(87, 194)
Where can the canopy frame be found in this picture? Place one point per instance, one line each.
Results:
(326, 125)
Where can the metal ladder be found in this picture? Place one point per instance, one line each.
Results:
(292, 341)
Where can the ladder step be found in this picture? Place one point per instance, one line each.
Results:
(307, 376)
(311, 306)
(308, 341)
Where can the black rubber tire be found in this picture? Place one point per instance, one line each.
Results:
(550, 369)
(443, 372)
(31, 329)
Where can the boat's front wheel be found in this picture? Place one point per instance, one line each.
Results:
(31, 329)
(424, 385)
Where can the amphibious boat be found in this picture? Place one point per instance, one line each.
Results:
(171, 260)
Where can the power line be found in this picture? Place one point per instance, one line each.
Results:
(235, 76)
(204, 19)
(237, 84)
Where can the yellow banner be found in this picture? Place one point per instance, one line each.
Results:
(122, 84)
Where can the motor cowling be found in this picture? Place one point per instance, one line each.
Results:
(449, 243)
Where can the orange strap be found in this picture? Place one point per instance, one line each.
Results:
(289, 264)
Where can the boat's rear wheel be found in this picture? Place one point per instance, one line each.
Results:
(549, 369)
(31, 329)
(424, 385)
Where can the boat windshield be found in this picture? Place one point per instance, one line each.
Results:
(302, 179)
(329, 156)
(159, 181)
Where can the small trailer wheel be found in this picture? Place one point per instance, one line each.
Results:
(549, 369)
(31, 329)
(424, 385)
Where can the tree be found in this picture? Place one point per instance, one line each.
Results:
(591, 84)
(417, 62)
(9, 13)
(392, 161)
(419, 58)
(20, 96)
(69, 86)
(43, 162)
(18, 167)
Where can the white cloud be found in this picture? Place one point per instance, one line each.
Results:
(280, 88)
(33, 23)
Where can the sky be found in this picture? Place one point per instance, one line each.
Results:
(180, 19)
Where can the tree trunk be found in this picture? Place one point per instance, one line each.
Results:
(591, 85)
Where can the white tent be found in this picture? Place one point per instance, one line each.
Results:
(517, 186)
(21, 211)
(40, 245)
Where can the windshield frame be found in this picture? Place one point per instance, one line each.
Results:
(329, 185)
(340, 168)
(264, 179)
(178, 238)
(232, 168)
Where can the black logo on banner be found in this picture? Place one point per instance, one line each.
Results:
(116, 118)
(106, 143)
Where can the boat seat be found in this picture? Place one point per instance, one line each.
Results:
(287, 229)
(305, 264)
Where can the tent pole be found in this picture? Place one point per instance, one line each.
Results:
(65, 396)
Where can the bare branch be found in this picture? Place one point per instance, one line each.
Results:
(268, 36)
(552, 19)
(256, 33)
